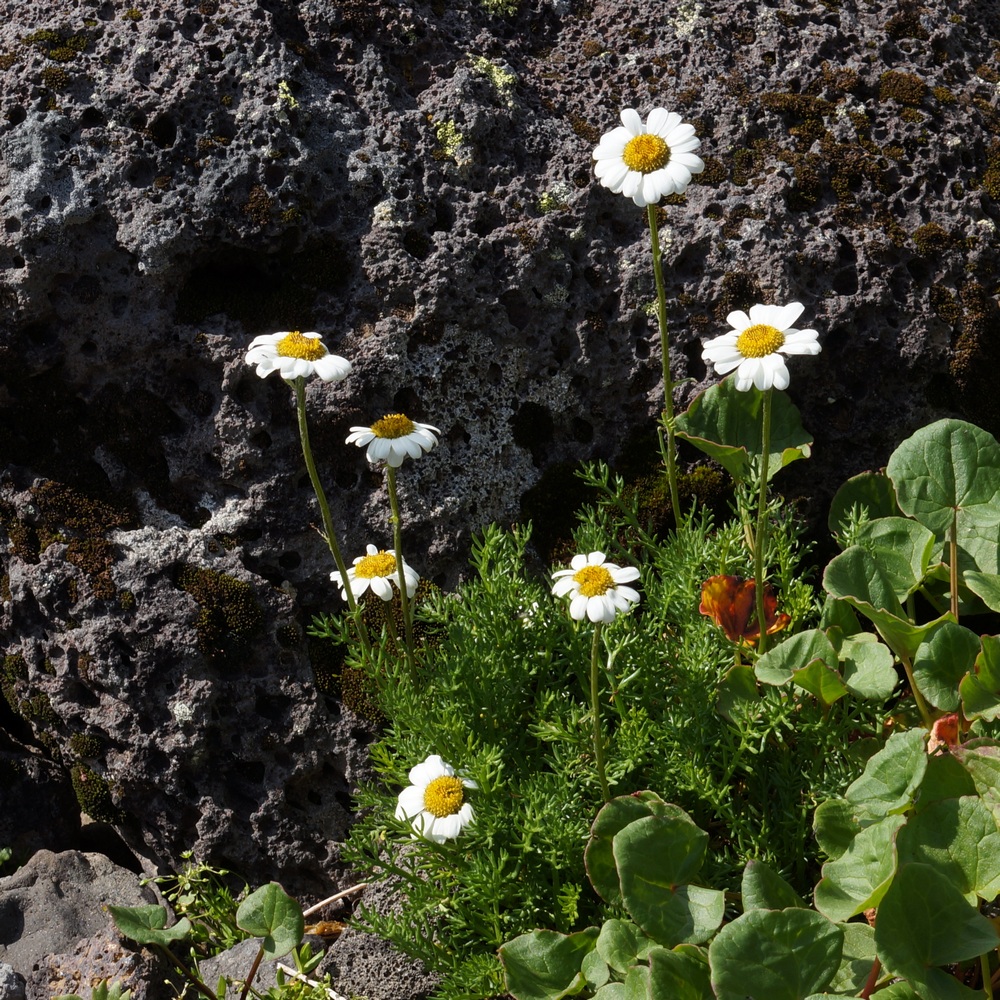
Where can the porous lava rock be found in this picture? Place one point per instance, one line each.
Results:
(414, 180)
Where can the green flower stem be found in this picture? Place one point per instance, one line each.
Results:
(329, 535)
(397, 544)
(595, 708)
(925, 712)
(669, 447)
(953, 563)
(760, 541)
(984, 963)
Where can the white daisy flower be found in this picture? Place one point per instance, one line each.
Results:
(394, 438)
(596, 587)
(377, 570)
(435, 801)
(648, 162)
(755, 345)
(296, 355)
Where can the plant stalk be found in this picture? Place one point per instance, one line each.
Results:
(595, 708)
(925, 712)
(760, 541)
(329, 535)
(668, 448)
(953, 562)
(397, 544)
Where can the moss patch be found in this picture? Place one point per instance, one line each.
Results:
(229, 616)
(93, 792)
(903, 88)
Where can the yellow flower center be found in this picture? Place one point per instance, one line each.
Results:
(594, 581)
(758, 341)
(646, 153)
(294, 345)
(395, 425)
(381, 564)
(443, 796)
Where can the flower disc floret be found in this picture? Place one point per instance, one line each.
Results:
(755, 345)
(435, 802)
(648, 162)
(393, 438)
(377, 571)
(294, 354)
(596, 588)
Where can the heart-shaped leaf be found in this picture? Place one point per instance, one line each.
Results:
(871, 492)
(272, 915)
(775, 954)
(148, 924)
(546, 965)
(949, 469)
(980, 690)
(726, 424)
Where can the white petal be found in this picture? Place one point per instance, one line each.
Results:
(424, 773)
(595, 558)
(661, 122)
(694, 163)
(410, 802)
(723, 354)
(625, 574)
(789, 314)
(628, 595)
(378, 449)
(680, 135)
(360, 436)
(631, 120)
(679, 175)
(578, 607)
(611, 173)
(632, 184)
(562, 587)
(333, 368)
(448, 827)
(767, 315)
(739, 320)
(578, 561)
(651, 192)
(725, 367)
(801, 342)
(381, 586)
(779, 377)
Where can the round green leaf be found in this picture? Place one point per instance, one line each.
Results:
(948, 468)
(902, 548)
(681, 974)
(858, 879)
(614, 816)
(764, 889)
(867, 667)
(779, 663)
(856, 960)
(891, 776)
(924, 921)
(960, 839)
(271, 914)
(980, 690)
(869, 491)
(620, 944)
(775, 955)
(726, 424)
(659, 851)
(147, 924)
(946, 655)
(546, 965)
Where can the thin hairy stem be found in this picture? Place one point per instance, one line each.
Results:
(595, 708)
(397, 543)
(669, 447)
(922, 707)
(760, 541)
(329, 535)
(953, 562)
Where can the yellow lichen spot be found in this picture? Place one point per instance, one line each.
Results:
(443, 796)
(646, 153)
(381, 564)
(393, 425)
(759, 340)
(594, 581)
(295, 345)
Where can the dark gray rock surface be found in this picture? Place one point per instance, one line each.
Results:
(56, 934)
(414, 180)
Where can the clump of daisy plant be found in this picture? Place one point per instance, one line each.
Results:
(297, 356)
(647, 162)
(755, 349)
(599, 593)
(389, 441)
(435, 801)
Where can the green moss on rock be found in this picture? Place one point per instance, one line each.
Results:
(903, 88)
(229, 616)
(93, 792)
